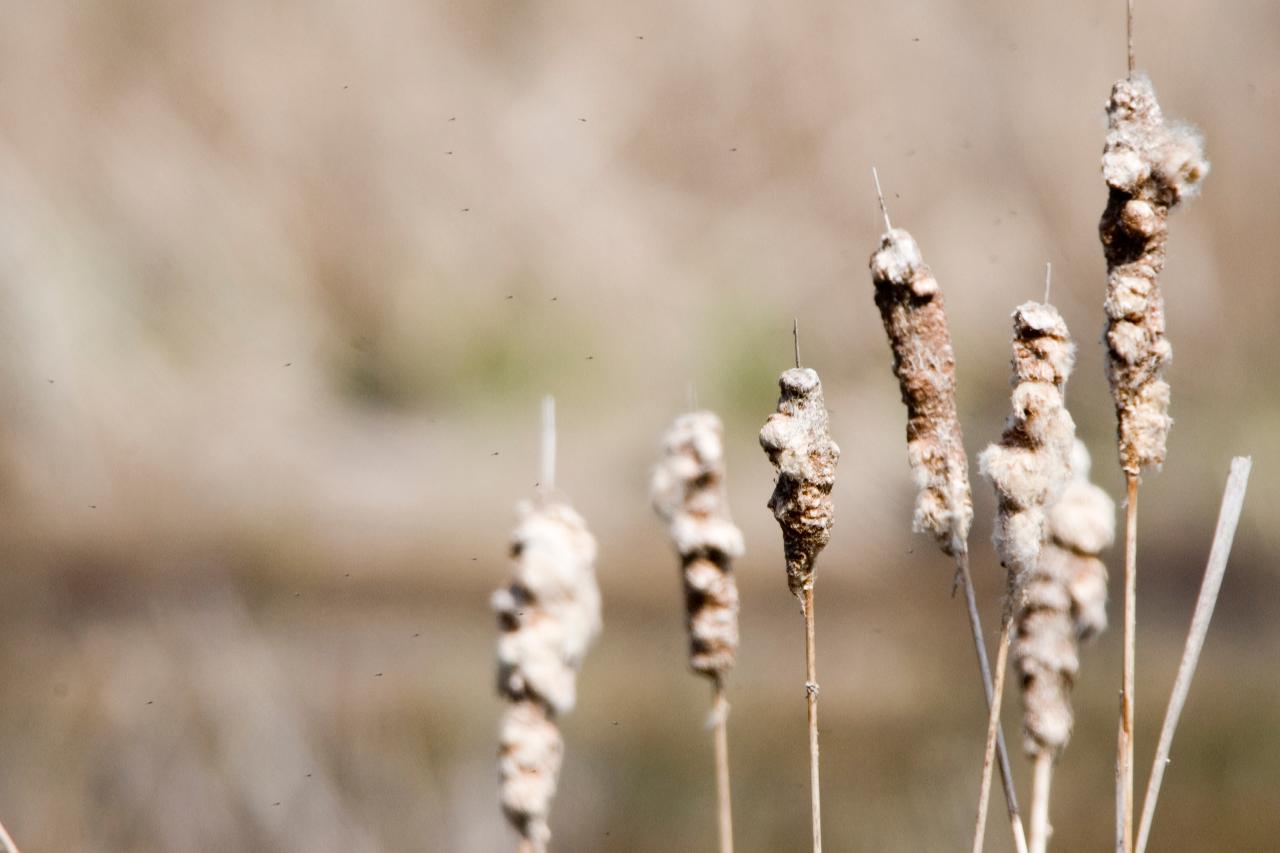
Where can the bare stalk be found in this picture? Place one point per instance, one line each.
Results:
(811, 695)
(1228, 517)
(1040, 829)
(6, 842)
(984, 668)
(689, 493)
(724, 802)
(993, 735)
(1124, 744)
(797, 439)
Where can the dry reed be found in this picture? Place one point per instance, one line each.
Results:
(1149, 167)
(797, 440)
(688, 491)
(915, 320)
(1029, 468)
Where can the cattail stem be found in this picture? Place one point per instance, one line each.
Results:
(993, 734)
(6, 842)
(1040, 829)
(1124, 744)
(984, 667)
(724, 802)
(547, 458)
(811, 697)
(1128, 29)
(1228, 517)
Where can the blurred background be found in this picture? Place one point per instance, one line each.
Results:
(282, 283)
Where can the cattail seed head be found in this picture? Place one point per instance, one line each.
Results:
(1032, 462)
(915, 319)
(1062, 602)
(1149, 167)
(548, 614)
(530, 751)
(1029, 468)
(689, 494)
(797, 440)
(1082, 524)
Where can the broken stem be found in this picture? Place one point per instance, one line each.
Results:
(1228, 517)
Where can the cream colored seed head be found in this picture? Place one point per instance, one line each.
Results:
(797, 440)
(530, 752)
(1149, 167)
(550, 612)
(548, 615)
(915, 320)
(1082, 525)
(1032, 462)
(689, 494)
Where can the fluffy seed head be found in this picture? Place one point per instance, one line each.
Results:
(689, 494)
(915, 320)
(548, 614)
(797, 440)
(1032, 462)
(1149, 166)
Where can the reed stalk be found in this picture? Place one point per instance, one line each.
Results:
(548, 615)
(797, 440)
(1150, 166)
(914, 315)
(1224, 535)
(689, 494)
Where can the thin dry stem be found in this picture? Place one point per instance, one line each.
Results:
(993, 731)
(811, 696)
(1128, 29)
(547, 480)
(6, 842)
(1040, 829)
(724, 800)
(1124, 743)
(1228, 517)
(984, 669)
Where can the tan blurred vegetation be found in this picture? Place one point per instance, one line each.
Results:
(281, 283)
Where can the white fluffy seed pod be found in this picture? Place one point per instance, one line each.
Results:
(1082, 524)
(1149, 167)
(548, 615)
(797, 440)
(1062, 602)
(688, 492)
(1032, 462)
(915, 319)
(1030, 468)
(530, 751)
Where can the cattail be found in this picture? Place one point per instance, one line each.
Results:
(1032, 462)
(915, 319)
(1149, 167)
(1082, 524)
(548, 615)
(1029, 468)
(1064, 601)
(797, 440)
(689, 494)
